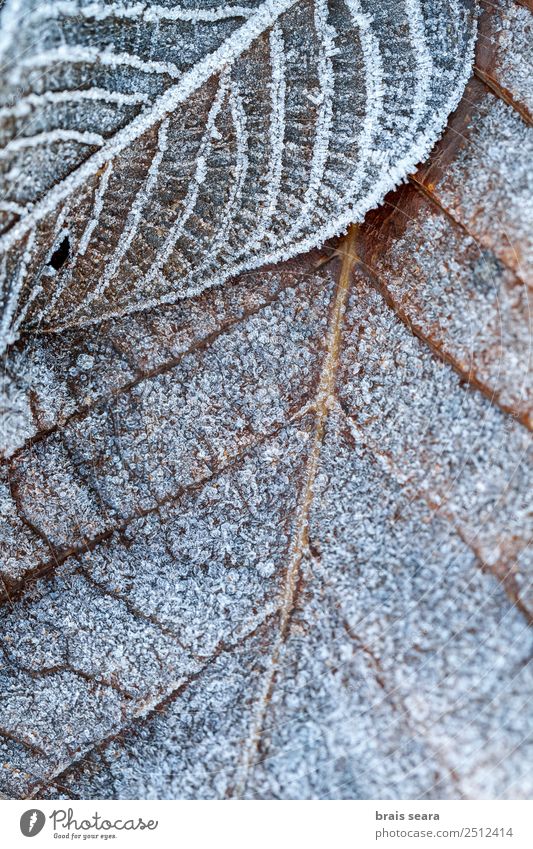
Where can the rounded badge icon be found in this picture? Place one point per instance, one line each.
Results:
(32, 822)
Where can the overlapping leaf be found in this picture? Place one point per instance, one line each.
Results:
(273, 540)
(151, 151)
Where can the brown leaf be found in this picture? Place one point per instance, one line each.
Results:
(272, 541)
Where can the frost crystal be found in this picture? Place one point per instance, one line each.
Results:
(183, 145)
(267, 539)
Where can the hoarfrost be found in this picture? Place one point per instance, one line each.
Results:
(344, 99)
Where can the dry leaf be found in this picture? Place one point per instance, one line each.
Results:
(272, 540)
(228, 137)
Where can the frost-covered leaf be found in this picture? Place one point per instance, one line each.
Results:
(151, 151)
(273, 540)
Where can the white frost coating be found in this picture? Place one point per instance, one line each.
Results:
(373, 85)
(134, 218)
(59, 234)
(80, 55)
(26, 104)
(11, 206)
(423, 60)
(216, 521)
(9, 307)
(191, 81)
(346, 173)
(238, 115)
(394, 586)
(50, 137)
(421, 147)
(97, 210)
(276, 132)
(199, 176)
(393, 176)
(85, 238)
(326, 34)
(139, 11)
(10, 19)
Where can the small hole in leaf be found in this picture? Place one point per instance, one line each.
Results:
(60, 255)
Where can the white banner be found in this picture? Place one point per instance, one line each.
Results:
(268, 825)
